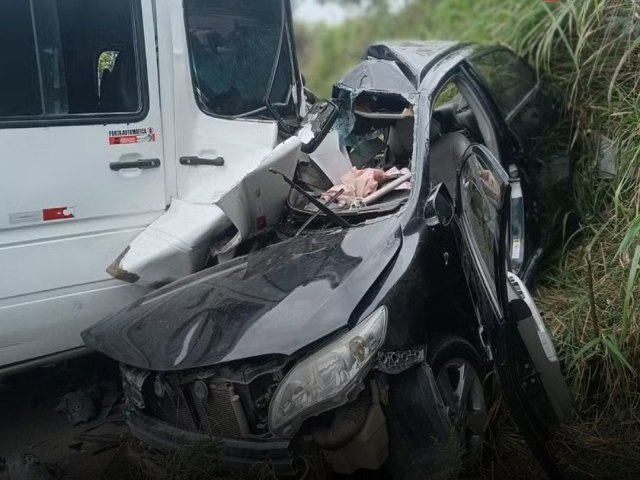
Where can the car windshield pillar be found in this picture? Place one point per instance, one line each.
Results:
(233, 46)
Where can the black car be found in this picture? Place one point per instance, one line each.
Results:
(367, 330)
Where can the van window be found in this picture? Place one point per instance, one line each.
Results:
(233, 47)
(63, 58)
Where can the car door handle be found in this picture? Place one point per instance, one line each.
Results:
(195, 161)
(143, 164)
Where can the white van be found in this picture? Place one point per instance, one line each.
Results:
(108, 111)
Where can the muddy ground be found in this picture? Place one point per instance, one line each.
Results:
(39, 442)
(31, 426)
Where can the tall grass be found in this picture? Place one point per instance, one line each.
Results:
(590, 290)
(592, 49)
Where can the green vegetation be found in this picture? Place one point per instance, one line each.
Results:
(327, 53)
(589, 290)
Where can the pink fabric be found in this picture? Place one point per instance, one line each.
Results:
(360, 183)
(357, 184)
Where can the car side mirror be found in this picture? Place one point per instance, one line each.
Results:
(439, 210)
(317, 124)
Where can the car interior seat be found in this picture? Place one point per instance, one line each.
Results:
(445, 159)
(401, 142)
(458, 115)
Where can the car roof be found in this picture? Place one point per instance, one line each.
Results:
(399, 67)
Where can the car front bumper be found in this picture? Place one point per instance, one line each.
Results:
(236, 454)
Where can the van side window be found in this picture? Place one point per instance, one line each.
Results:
(66, 58)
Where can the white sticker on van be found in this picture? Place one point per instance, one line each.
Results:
(132, 135)
(20, 218)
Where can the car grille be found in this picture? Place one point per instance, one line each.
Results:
(173, 409)
(227, 403)
(201, 406)
(216, 412)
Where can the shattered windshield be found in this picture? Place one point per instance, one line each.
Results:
(233, 47)
(365, 164)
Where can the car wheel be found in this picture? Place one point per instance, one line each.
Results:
(455, 365)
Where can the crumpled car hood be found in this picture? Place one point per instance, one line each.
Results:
(275, 301)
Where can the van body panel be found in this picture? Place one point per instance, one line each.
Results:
(67, 207)
(241, 143)
(71, 261)
(46, 323)
(65, 212)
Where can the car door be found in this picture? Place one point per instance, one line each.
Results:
(526, 362)
(526, 103)
(81, 164)
(527, 107)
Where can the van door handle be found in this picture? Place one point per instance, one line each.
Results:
(144, 164)
(195, 161)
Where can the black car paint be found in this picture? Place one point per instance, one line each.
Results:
(418, 276)
(275, 301)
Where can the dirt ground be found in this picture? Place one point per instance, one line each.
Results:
(30, 424)
(46, 444)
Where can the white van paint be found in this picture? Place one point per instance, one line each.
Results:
(53, 282)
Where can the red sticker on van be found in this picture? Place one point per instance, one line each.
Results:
(60, 213)
(132, 135)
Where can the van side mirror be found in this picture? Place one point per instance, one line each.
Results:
(317, 124)
(439, 210)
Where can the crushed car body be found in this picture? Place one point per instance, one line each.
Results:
(177, 244)
(361, 320)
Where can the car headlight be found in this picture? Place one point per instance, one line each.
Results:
(323, 380)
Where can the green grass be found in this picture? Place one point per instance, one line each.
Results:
(591, 49)
(588, 289)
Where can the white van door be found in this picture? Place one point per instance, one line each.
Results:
(218, 75)
(231, 70)
(81, 164)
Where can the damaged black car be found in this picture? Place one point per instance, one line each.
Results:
(366, 324)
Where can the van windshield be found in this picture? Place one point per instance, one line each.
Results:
(233, 48)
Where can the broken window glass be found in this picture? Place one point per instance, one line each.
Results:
(233, 47)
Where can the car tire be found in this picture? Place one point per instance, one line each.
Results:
(456, 368)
